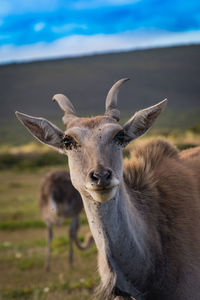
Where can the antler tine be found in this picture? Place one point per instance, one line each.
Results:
(111, 99)
(66, 105)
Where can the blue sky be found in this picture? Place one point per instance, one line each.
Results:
(55, 28)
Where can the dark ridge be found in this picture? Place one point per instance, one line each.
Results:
(155, 74)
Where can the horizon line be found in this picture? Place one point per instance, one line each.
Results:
(97, 53)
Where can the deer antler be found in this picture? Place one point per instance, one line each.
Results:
(111, 100)
(66, 105)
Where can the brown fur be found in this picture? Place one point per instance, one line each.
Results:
(90, 123)
(166, 188)
(138, 169)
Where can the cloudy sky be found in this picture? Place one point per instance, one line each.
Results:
(32, 30)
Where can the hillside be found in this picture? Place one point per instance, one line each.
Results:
(155, 74)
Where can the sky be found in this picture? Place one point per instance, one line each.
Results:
(32, 30)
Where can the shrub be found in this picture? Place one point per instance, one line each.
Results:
(196, 128)
(30, 161)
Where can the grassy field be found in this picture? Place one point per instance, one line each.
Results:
(22, 246)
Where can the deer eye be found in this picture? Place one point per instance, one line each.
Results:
(69, 142)
(120, 138)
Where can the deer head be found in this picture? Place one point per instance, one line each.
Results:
(94, 145)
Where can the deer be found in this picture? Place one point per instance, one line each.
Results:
(144, 211)
(58, 201)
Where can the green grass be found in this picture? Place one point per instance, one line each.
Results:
(17, 224)
(23, 224)
(30, 263)
(84, 284)
(17, 294)
(22, 246)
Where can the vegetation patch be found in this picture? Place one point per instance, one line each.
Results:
(30, 161)
(23, 245)
(68, 287)
(59, 244)
(18, 224)
(17, 294)
(29, 263)
(195, 128)
(23, 224)
(185, 146)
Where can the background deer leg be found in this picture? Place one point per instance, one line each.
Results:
(72, 234)
(48, 246)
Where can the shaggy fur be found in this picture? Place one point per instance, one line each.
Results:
(165, 189)
(166, 193)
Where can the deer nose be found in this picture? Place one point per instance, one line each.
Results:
(101, 178)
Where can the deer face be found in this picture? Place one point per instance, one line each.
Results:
(94, 145)
(94, 149)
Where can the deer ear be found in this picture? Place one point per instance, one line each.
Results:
(43, 130)
(143, 120)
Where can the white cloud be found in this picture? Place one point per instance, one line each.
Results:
(39, 26)
(77, 45)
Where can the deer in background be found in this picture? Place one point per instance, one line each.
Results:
(58, 201)
(144, 213)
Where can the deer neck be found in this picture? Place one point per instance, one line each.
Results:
(118, 231)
